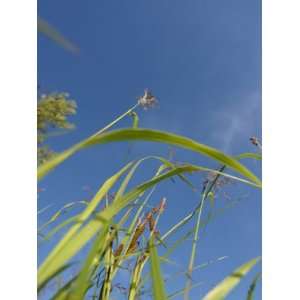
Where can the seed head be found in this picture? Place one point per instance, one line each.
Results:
(254, 141)
(147, 100)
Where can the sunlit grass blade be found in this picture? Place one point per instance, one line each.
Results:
(48, 265)
(56, 258)
(250, 294)
(229, 283)
(60, 226)
(158, 288)
(72, 243)
(61, 211)
(153, 136)
(57, 159)
(62, 293)
(54, 274)
(82, 282)
(136, 277)
(128, 177)
(176, 140)
(256, 156)
(108, 261)
(44, 209)
(49, 31)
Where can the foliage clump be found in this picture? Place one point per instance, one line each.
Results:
(53, 111)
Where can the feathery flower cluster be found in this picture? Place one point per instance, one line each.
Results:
(221, 181)
(147, 100)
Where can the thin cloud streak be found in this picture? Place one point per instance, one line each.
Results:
(237, 123)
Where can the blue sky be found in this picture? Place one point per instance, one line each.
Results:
(202, 59)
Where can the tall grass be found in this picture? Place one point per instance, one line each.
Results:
(136, 236)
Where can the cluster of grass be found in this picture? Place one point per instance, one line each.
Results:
(123, 229)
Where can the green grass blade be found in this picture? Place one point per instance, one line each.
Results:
(129, 176)
(158, 288)
(108, 262)
(136, 277)
(44, 209)
(60, 212)
(153, 136)
(49, 31)
(225, 287)
(82, 282)
(49, 266)
(62, 293)
(250, 294)
(54, 274)
(74, 240)
(256, 156)
(60, 226)
(175, 140)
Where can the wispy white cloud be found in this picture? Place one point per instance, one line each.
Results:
(237, 121)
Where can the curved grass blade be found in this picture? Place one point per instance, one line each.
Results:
(256, 156)
(49, 278)
(74, 240)
(42, 210)
(60, 226)
(82, 281)
(62, 293)
(153, 136)
(229, 283)
(49, 31)
(61, 211)
(158, 288)
(49, 266)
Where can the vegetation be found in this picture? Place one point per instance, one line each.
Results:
(117, 226)
(52, 113)
(99, 228)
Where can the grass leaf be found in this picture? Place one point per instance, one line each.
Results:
(250, 294)
(48, 266)
(229, 283)
(153, 136)
(49, 31)
(158, 288)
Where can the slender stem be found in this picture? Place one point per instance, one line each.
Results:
(195, 210)
(205, 193)
(116, 120)
(193, 253)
